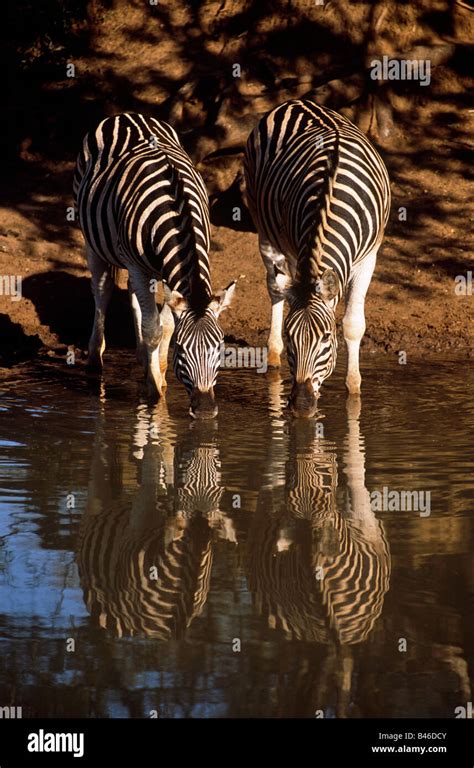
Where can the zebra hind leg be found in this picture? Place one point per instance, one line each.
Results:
(353, 323)
(151, 331)
(271, 258)
(102, 286)
(137, 321)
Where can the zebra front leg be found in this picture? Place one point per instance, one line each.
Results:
(167, 323)
(353, 323)
(273, 258)
(102, 287)
(275, 341)
(151, 331)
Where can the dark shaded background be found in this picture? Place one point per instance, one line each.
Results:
(176, 61)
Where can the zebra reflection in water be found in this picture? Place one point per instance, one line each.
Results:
(318, 559)
(145, 565)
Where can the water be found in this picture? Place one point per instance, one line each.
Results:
(153, 566)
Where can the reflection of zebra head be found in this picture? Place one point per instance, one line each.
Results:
(318, 571)
(310, 328)
(199, 490)
(197, 347)
(145, 567)
(153, 582)
(311, 481)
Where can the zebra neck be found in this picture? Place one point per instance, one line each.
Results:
(194, 285)
(309, 269)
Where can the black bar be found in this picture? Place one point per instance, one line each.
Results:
(141, 742)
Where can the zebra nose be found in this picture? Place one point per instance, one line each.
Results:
(303, 402)
(203, 404)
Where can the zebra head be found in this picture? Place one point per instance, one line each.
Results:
(310, 328)
(198, 340)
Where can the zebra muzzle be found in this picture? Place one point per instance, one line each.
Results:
(303, 401)
(203, 404)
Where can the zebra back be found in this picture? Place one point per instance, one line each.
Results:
(141, 202)
(318, 560)
(318, 580)
(317, 189)
(145, 565)
(152, 582)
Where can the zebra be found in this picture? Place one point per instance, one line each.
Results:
(318, 560)
(319, 196)
(146, 542)
(142, 583)
(143, 207)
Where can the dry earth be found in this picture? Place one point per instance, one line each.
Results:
(175, 61)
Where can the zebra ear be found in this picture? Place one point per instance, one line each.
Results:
(223, 299)
(176, 301)
(328, 285)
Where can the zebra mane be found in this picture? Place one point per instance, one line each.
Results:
(199, 296)
(308, 268)
(197, 293)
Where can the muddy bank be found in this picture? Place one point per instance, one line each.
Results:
(177, 62)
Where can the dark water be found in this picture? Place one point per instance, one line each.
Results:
(149, 564)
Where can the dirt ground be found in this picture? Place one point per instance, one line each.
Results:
(189, 50)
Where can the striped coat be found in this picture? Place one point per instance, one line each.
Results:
(141, 201)
(319, 195)
(143, 206)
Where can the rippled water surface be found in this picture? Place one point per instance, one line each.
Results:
(255, 566)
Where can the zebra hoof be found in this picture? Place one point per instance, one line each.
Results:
(153, 392)
(94, 365)
(273, 360)
(353, 386)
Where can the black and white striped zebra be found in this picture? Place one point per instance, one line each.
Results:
(153, 512)
(143, 207)
(318, 559)
(115, 562)
(319, 195)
